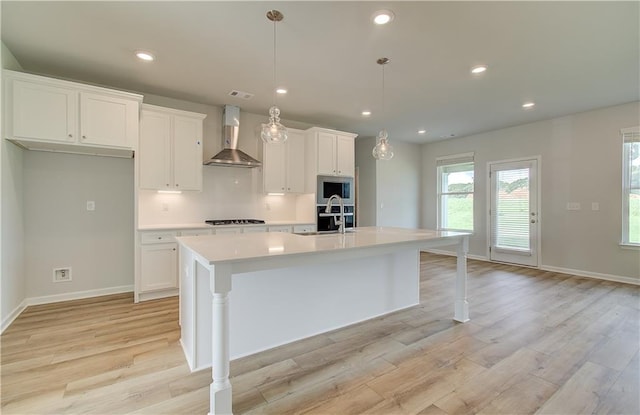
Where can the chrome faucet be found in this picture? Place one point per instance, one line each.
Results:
(339, 222)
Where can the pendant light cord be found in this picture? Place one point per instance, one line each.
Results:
(274, 62)
(383, 112)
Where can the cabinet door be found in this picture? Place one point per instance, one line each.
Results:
(107, 120)
(295, 162)
(345, 156)
(274, 167)
(187, 153)
(44, 112)
(158, 267)
(154, 151)
(326, 153)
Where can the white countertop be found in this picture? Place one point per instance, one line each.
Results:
(239, 247)
(174, 226)
(202, 225)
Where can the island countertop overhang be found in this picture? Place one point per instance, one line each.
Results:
(239, 248)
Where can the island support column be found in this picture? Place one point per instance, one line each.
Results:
(220, 396)
(461, 312)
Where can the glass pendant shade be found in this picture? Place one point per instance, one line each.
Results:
(273, 132)
(382, 150)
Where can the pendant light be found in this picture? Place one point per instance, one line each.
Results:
(273, 131)
(382, 150)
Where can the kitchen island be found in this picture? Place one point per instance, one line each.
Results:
(289, 286)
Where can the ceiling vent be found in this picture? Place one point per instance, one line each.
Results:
(239, 94)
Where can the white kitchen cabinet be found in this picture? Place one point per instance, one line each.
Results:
(195, 232)
(159, 267)
(254, 229)
(283, 164)
(170, 149)
(345, 156)
(108, 120)
(226, 230)
(49, 114)
(329, 153)
(280, 228)
(158, 262)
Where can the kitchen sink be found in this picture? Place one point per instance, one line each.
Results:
(320, 233)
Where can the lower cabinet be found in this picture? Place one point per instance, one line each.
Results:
(158, 267)
(157, 273)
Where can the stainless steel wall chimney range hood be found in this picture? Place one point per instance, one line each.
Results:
(230, 156)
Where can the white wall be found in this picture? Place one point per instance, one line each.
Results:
(398, 187)
(366, 167)
(581, 161)
(12, 281)
(389, 190)
(60, 232)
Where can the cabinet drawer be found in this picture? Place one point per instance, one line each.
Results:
(157, 237)
(220, 231)
(195, 232)
(286, 229)
(254, 229)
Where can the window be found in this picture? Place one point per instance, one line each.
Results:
(455, 192)
(631, 186)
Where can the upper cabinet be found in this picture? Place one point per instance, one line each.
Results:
(50, 114)
(330, 153)
(283, 164)
(170, 149)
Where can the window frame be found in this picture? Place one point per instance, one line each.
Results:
(447, 161)
(628, 135)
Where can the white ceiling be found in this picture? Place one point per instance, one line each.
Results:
(566, 56)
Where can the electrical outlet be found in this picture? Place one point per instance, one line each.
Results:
(573, 206)
(595, 206)
(165, 207)
(91, 205)
(62, 274)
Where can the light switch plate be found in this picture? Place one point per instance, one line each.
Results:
(573, 206)
(91, 205)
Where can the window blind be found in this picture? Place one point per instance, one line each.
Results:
(455, 159)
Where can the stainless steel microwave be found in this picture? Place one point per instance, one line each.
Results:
(332, 185)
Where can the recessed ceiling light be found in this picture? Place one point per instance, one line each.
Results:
(478, 69)
(528, 105)
(145, 56)
(422, 131)
(383, 16)
(366, 113)
(281, 91)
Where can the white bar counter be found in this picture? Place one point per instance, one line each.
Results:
(287, 287)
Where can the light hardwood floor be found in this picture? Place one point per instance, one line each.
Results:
(537, 342)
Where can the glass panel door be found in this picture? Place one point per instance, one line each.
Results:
(514, 212)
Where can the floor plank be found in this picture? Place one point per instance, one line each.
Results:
(537, 341)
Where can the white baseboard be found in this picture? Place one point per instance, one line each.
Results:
(56, 298)
(560, 270)
(6, 322)
(589, 274)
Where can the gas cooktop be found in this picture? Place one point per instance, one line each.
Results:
(217, 222)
